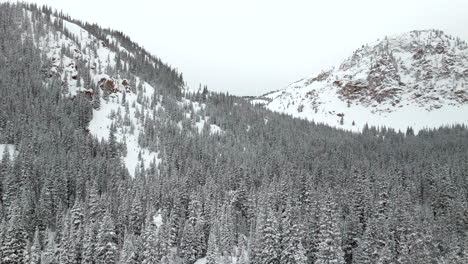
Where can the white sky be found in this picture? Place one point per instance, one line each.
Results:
(249, 47)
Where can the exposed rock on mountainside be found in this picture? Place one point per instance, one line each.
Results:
(417, 79)
(125, 84)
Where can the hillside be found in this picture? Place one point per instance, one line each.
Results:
(417, 79)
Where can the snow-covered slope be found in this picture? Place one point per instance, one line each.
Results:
(85, 48)
(98, 69)
(417, 79)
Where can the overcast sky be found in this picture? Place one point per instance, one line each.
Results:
(249, 47)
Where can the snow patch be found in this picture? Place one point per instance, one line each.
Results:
(11, 149)
(157, 219)
(106, 115)
(201, 261)
(214, 129)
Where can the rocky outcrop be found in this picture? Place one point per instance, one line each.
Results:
(406, 75)
(427, 66)
(88, 94)
(128, 88)
(108, 85)
(321, 77)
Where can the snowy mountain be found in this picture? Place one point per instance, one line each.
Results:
(101, 67)
(417, 79)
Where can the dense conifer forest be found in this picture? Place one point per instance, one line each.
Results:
(267, 188)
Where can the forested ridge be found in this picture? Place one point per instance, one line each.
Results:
(267, 188)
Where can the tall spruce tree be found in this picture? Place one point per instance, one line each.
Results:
(329, 247)
(14, 243)
(107, 241)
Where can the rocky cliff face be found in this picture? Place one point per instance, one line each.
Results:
(419, 77)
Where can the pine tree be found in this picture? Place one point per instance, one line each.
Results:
(419, 248)
(65, 85)
(90, 243)
(291, 246)
(153, 243)
(174, 226)
(50, 249)
(362, 253)
(107, 241)
(15, 238)
(4, 171)
(381, 242)
(36, 249)
(66, 242)
(136, 216)
(355, 222)
(213, 255)
(269, 248)
(311, 226)
(131, 252)
(71, 240)
(46, 205)
(226, 231)
(193, 240)
(96, 103)
(113, 151)
(188, 244)
(329, 248)
(95, 211)
(11, 185)
(29, 215)
(300, 256)
(76, 233)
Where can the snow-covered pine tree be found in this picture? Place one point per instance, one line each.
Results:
(363, 252)
(90, 243)
(136, 217)
(290, 237)
(213, 255)
(4, 171)
(36, 249)
(14, 240)
(11, 184)
(50, 252)
(76, 232)
(128, 249)
(154, 247)
(329, 247)
(107, 241)
(46, 208)
(269, 247)
(188, 247)
(300, 256)
(227, 239)
(132, 250)
(94, 206)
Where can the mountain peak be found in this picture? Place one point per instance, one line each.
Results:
(421, 75)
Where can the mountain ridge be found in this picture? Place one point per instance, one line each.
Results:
(420, 72)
